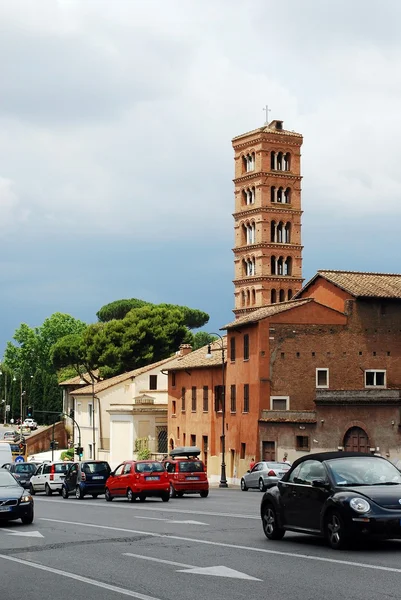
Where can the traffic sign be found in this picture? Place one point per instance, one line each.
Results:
(19, 459)
(8, 407)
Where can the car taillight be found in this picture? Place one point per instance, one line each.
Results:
(83, 476)
(52, 473)
(271, 474)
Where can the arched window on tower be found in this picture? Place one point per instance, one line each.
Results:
(242, 298)
(288, 266)
(251, 229)
(282, 296)
(280, 266)
(280, 161)
(273, 231)
(272, 194)
(287, 196)
(273, 297)
(289, 295)
(273, 166)
(273, 265)
(287, 162)
(248, 297)
(287, 233)
(280, 195)
(253, 297)
(280, 233)
(250, 267)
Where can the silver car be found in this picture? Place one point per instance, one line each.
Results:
(264, 475)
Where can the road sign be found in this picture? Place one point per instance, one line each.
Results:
(19, 459)
(8, 407)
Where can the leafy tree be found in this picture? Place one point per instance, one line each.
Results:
(118, 309)
(202, 338)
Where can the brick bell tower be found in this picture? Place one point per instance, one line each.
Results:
(268, 251)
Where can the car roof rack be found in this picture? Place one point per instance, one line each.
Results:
(185, 451)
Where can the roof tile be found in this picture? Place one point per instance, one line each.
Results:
(266, 311)
(363, 285)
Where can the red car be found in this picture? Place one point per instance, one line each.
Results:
(138, 479)
(186, 472)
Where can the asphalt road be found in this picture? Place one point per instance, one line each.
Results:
(190, 548)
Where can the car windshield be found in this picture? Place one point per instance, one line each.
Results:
(277, 465)
(148, 467)
(100, 467)
(188, 466)
(25, 468)
(363, 471)
(6, 479)
(61, 467)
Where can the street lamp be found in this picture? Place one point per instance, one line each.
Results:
(223, 478)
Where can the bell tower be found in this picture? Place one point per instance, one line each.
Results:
(267, 251)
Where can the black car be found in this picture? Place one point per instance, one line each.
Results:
(86, 477)
(338, 495)
(22, 471)
(15, 501)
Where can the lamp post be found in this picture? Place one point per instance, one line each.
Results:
(93, 417)
(223, 479)
(4, 400)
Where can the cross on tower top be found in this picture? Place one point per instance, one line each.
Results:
(266, 109)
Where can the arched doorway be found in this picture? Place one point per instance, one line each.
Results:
(356, 440)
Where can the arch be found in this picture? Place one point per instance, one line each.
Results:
(273, 231)
(242, 298)
(171, 444)
(280, 266)
(287, 196)
(287, 233)
(248, 297)
(253, 297)
(288, 266)
(287, 161)
(273, 264)
(273, 161)
(289, 294)
(280, 161)
(162, 440)
(280, 233)
(280, 195)
(356, 440)
(282, 296)
(273, 297)
(272, 194)
(244, 234)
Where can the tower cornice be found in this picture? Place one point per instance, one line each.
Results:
(258, 174)
(272, 245)
(265, 209)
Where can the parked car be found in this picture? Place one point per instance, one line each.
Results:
(138, 479)
(49, 478)
(22, 471)
(86, 477)
(30, 423)
(263, 475)
(15, 502)
(11, 436)
(187, 474)
(337, 495)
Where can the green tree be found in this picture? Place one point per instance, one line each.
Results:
(202, 338)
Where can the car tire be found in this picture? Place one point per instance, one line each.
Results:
(204, 493)
(28, 519)
(64, 493)
(173, 493)
(335, 530)
(180, 494)
(94, 496)
(269, 520)
(130, 495)
(142, 498)
(107, 495)
(48, 491)
(243, 486)
(262, 486)
(31, 489)
(78, 493)
(166, 496)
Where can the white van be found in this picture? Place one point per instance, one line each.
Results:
(5, 453)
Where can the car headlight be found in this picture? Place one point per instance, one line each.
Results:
(360, 505)
(26, 498)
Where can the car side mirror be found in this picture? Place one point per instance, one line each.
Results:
(111, 474)
(322, 483)
(248, 471)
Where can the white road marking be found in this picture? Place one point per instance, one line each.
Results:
(346, 563)
(120, 505)
(216, 571)
(105, 586)
(35, 534)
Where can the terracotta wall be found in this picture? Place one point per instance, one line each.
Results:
(39, 441)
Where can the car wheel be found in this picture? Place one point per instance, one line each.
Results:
(64, 493)
(78, 493)
(31, 489)
(130, 495)
(262, 486)
(166, 497)
(269, 519)
(28, 519)
(173, 493)
(95, 496)
(204, 493)
(107, 495)
(335, 530)
(142, 498)
(243, 485)
(48, 491)
(180, 494)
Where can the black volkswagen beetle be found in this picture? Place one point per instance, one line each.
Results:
(338, 495)
(15, 502)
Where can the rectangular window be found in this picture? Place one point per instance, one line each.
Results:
(183, 399)
(184, 438)
(302, 442)
(193, 399)
(178, 433)
(218, 398)
(193, 440)
(174, 409)
(90, 413)
(322, 378)
(246, 397)
(232, 349)
(90, 450)
(153, 382)
(375, 378)
(279, 402)
(243, 450)
(233, 397)
(173, 379)
(246, 347)
(205, 398)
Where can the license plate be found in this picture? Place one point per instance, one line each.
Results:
(192, 478)
(152, 478)
(96, 477)
(5, 508)
(281, 473)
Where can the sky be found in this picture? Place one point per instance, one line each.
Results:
(116, 165)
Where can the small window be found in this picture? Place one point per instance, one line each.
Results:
(232, 349)
(205, 398)
(375, 378)
(90, 412)
(243, 450)
(302, 442)
(233, 398)
(183, 399)
(90, 451)
(194, 399)
(279, 402)
(153, 382)
(193, 440)
(174, 409)
(218, 398)
(322, 378)
(246, 347)
(246, 397)
(178, 433)
(173, 379)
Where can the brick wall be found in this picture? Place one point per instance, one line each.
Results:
(39, 441)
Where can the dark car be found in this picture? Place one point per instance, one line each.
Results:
(138, 479)
(22, 471)
(187, 474)
(87, 477)
(15, 501)
(338, 495)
